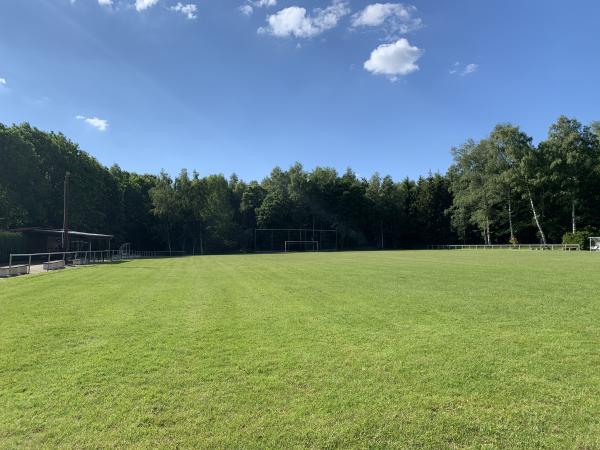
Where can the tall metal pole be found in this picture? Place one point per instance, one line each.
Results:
(65, 236)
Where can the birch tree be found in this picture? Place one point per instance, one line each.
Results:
(520, 167)
(473, 186)
(571, 153)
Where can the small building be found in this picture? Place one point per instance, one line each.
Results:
(44, 240)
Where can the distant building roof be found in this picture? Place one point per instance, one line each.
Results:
(50, 231)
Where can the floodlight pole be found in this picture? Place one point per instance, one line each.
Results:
(65, 236)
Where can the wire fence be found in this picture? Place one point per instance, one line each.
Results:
(21, 263)
(563, 247)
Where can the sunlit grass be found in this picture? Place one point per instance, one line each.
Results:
(494, 349)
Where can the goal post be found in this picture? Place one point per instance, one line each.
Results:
(301, 246)
(273, 240)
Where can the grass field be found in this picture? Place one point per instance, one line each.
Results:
(461, 349)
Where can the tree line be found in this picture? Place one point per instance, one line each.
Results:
(500, 189)
(511, 190)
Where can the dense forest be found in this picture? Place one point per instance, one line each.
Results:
(498, 190)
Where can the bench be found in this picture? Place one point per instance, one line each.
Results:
(12, 271)
(78, 261)
(54, 265)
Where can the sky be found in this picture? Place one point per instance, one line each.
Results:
(241, 86)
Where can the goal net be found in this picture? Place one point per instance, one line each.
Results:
(595, 244)
(270, 240)
(301, 246)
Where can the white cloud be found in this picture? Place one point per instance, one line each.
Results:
(3, 81)
(100, 124)
(393, 60)
(294, 21)
(395, 17)
(246, 10)
(264, 3)
(454, 68)
(188, 10)
(100, 2)
(470, 68)
(141, 5)
(457, 69)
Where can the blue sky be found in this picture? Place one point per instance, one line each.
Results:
(240, 86)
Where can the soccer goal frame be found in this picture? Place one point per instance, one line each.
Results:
(274, 240)
(315, 245)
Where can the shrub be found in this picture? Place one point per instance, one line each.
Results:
(579, 237)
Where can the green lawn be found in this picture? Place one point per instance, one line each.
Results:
(446, 349)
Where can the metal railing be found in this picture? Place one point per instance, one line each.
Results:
(563, 247)
(154, 254)
(84, 257)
